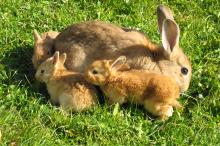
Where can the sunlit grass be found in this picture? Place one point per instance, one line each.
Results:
(26, 116)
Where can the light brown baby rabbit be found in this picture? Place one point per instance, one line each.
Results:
(43, 47)
(94, 40)
(158, 93)
(67, 88)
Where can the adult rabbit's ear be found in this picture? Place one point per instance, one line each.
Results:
(163, 13)
(168, 29)
(38, 49)
(118, 63)
(37, 37)
(170, 35)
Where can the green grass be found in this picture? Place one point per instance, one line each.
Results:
(26, 116)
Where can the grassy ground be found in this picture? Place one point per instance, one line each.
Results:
(26, 116)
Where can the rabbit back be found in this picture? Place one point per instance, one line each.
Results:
(93, 40)
(137, 86)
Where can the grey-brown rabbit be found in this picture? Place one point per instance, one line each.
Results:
(92, 40)
(43, 47)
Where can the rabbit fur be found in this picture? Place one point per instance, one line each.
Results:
(67, 88)
(158, 93)
(94, 40)
(43, 47)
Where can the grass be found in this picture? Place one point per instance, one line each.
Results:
(26, 116)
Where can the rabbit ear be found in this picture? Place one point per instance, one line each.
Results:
(55, 58)
(63, 58)
(37, 37)
(163, 13)
(120, 61)
(170, 35)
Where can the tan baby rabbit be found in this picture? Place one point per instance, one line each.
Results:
(94, 40)
(158, 93)
(43, 47)
(67, 88)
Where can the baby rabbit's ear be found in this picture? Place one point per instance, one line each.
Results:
(55, 58)
(118, 63)
(63, 58)
(37, 37)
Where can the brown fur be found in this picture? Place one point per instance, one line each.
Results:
(136, 86)
(67, 88)
(43, 47)
(93, 40)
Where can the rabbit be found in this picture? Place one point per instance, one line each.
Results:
(43, 47)
(158, 93)
(67, 88)
(93, 40)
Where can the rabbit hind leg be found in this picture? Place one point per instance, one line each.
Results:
(164, 111)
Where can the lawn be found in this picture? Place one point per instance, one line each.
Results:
(27, 117)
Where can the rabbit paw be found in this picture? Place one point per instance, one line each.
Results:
(169, 111)
(166, 112)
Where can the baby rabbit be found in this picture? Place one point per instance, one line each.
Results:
(67, 88)
(158, 93)
(43, 47)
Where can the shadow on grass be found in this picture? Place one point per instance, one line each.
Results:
(17, 62)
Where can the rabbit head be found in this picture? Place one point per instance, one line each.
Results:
(49, 67)
(170, 33)
(43, 47)
(99, 71)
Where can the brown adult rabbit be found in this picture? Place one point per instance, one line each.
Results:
(67, 88)
(158, 93)
(92, 40)
(43, 47)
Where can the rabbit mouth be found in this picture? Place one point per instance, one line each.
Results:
(40, 79)
(44, 79)
(89, 78)
(92, 79)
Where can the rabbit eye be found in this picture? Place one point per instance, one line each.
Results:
(184, 70)
(42, 71)
(48, 53)
(95, 71)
